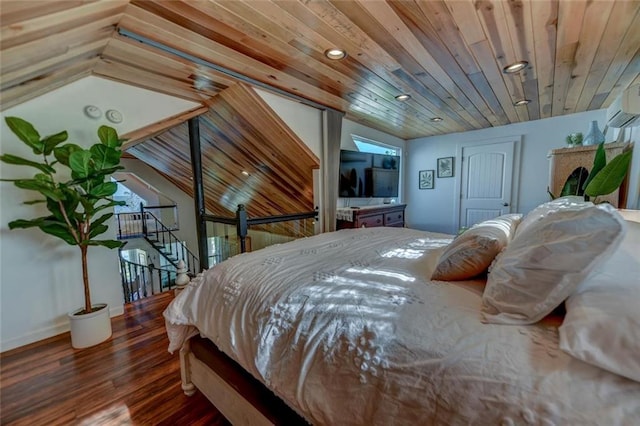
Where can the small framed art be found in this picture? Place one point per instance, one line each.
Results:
(425, 179)
(445, 167)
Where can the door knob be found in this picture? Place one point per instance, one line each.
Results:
(505, 204)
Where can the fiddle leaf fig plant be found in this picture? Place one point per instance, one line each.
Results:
(77, 199)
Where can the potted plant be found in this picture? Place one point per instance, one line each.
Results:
(76, 201)
(603, 179)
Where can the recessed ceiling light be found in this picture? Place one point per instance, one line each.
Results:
(436, 119)
(335, 54)
(246, 173)
(515, 67)
(521, 102)
(403, 97)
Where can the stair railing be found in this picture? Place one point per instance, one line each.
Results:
(139, 281)
(167, 243)
(168, 214)
(242, 223)
(130, 224)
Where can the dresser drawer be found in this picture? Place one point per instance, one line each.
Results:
(371, 221)
(372, 216)
(394, 219)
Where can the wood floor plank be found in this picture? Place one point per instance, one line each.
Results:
(130, 379)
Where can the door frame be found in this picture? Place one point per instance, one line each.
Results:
(515, 182)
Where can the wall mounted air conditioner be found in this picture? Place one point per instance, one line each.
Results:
(625, 110)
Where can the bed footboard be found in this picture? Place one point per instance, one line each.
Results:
(240, 398)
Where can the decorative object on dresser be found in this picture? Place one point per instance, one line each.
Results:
(445, 167)
(425, 179)
(595, 136)
(75, 207)
(574, 139)
(571, 172)
(371, 216)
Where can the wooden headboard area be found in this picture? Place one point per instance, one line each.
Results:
(239, 132)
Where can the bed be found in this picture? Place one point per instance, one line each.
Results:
(350, 328)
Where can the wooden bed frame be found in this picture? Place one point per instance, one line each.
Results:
(241, 398)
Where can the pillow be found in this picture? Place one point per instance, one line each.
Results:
(471, 253)
(568, 202)
(602, 324)
(547, 261)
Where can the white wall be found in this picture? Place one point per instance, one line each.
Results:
(433, 210)
(633, 194)
(304, 120)
(40, 276)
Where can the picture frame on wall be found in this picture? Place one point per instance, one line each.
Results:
(425, 179)
(445, 167)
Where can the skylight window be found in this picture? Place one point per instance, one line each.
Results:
(367, 145)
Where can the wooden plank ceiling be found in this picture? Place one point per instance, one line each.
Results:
(237, 135)
(448, 55)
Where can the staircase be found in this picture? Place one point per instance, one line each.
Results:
(140, 281)
(146, 225)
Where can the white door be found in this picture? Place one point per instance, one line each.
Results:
(487, 177)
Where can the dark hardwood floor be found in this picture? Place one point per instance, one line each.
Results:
(130, 379)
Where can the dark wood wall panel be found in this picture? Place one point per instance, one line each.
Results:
(239, 133)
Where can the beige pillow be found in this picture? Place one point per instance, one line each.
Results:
(547, 261)
(471, 253)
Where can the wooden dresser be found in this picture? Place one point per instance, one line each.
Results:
(370, 216)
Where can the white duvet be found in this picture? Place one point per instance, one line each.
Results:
(347, 328)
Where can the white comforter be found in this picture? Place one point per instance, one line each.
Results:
(347, 328)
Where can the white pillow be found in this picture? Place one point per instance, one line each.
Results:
(547, 261)
(471, 253)
(602, 324)
(568, 202)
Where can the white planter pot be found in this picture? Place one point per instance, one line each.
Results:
(90, 329)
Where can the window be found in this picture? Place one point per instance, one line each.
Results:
(368, 145)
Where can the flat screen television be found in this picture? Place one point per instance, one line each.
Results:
(366, 175)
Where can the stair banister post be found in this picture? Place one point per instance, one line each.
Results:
(182, 279)
(242, 227)
(142, 273)
(151, 268)
(198, 192)
(143, 219)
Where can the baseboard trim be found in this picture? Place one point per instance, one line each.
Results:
(45, 333)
